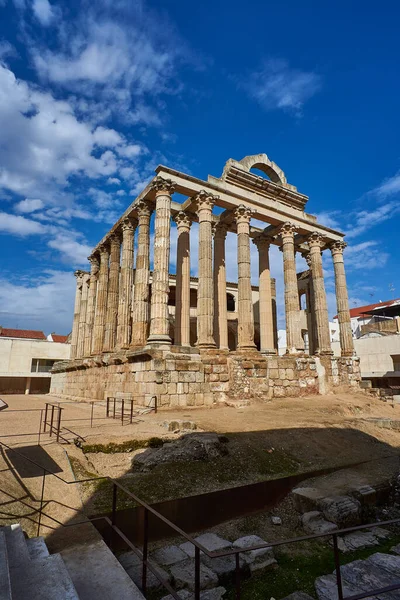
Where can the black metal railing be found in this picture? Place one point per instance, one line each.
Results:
(124, 408)
(199, 548)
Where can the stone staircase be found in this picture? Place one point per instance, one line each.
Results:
(85, 572)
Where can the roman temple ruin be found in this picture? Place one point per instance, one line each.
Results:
(199, 341)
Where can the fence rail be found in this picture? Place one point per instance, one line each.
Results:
(143, 554)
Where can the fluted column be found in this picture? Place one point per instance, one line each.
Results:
(101, 302)
(182, 304)
(294, 340)
(141, 308)
(126, 281)
(159, 317)
(205, 293)
(342, 300)
(267, 345)
(77, 310)
(110, 333)
(220, 308)
(315, 242)
(245, 300)
(80, 350)
(91, 304)
(311, 323)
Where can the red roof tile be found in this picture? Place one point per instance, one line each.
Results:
(28, 334)
(62, 339)
(360, 310)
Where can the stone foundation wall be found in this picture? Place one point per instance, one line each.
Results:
(183, 377)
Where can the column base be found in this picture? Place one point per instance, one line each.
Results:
(247, 347)
(324, 353)
(206, 346)
(159, 340)
(351, 354)
(269, 351)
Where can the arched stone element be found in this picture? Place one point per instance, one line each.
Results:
(257, 161)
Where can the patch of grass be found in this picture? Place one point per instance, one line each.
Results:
(127, 446)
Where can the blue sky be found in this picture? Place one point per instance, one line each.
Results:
(93, 95)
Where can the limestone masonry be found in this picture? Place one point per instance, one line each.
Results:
(193, 342)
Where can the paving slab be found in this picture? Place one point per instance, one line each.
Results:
(262, 556)
(326, 588)
(133, 566)
(184, 575)
(387, 562)
(210, 541)
(357, 540)
(368, 577)
(306, 498)
(170, 555)
(314, 522)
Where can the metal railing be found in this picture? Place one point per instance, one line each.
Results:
(126, 408)
(199, 548)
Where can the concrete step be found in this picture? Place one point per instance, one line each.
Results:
(37, 548)
(5, 583)
(97, 574)
(43, 579)
(17, 549)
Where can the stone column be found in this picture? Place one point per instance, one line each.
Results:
(91, 305)
(294, 340)
(140, 309)
(80, 350)
(101, 302)
(205, 293)
(245, 300)
(267, 345)
(126, 282)
(77, 310)
(311, 324)
(220, 308)
(315, 243)
(182, 304)
(110, 332)
(159, 316)
(342, 300)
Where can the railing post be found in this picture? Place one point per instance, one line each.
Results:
(40, 427)
(41, 502)
(145, 550)
(51, 419)
(114, 409)
(91, 415)
(108, 407)
(131, 411)
(114, 512)
(155, 404)
(337, 567)
(196, 573)
(237, 575)
(58, 423)
(45, 417)
(122, 411)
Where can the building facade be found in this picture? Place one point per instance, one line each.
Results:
(26, 360)
(121, 337)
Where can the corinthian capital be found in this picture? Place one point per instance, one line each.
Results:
(94, 264)
(129, 224)
(307, 258)
(161, 185)
(262, 242)
(243, 214)
(337, 247)
(220, 230)
(205, 200)
(315, 240)
(287, 230)
(79, 277)
(183, 220)
(144, 209)
(114, 240)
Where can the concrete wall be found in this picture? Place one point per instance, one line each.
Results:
(375, 353)
(16, 355)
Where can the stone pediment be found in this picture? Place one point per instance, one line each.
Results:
(238, 173)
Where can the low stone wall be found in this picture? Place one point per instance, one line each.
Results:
(189, 377)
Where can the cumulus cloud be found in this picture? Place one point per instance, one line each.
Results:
(276, 85)
(20, 226)
(29, 205)
(43, 11)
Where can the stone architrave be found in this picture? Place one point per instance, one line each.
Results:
(110, 332)
(267, 346)
(91, 304)
(126, 282)
(342, 300)
(205, 293)
(316, 242)
(77, 310)
(159, 316)
(141, 291)
(182, 303)
(80, 350)
(245, 300)
(101, 301)
(294, 340)
(220, 307)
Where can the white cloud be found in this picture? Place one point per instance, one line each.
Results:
(73, 251)
(113, 180)
(45, 304)
(277, 85)
(29, 205)
(43, 11)
(365, 255)
(366, 219)
(388, 187)
(21, 226)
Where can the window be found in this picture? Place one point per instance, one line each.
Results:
(42, 365)
(230, 302)
(396, 362)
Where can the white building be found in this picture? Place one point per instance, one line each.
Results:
(381, 317)
(26, 359)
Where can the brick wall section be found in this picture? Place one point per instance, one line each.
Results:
(183, 377)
